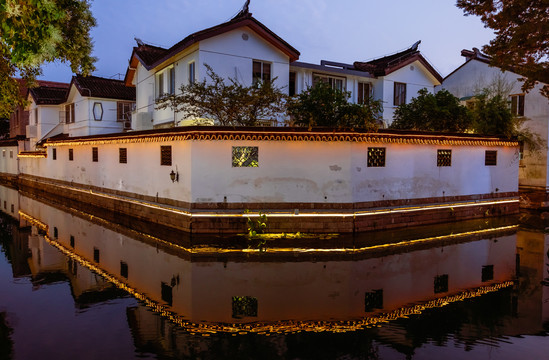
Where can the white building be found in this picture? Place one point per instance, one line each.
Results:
(476, 74)
(246, 50)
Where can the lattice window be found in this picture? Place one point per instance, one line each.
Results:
(376, 157)
(491, 158)
(487, 273)
(95, 154)
(444, 157)
(373, 300)
(245, 156)
(441, 283)
(166, 155)
(123, 155)
(244, 306)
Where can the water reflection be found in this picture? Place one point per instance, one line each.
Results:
(466, 288)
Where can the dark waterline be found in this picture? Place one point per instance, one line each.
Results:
(69, 282)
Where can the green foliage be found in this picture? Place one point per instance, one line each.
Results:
(521, 32)
(227, 102)
(321, 105)
(33, 32)
(432, 112)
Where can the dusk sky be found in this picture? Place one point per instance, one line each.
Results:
(343, 30)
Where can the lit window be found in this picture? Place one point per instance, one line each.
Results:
(517, 104)
(399, 94)
(245, 156)
(376, 157)
(261, 72)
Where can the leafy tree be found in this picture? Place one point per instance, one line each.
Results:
(33, 32)
(432, 112)
(321, 105)
(226, 102)
(522, 30)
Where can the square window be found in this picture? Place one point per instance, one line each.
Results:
(441, 283)
(123, 155)
(487, 273)
(444, 157)
(96, 254)
(166, 155)
(54, 154)
(95, 154)
(491, 158)
(244, 306)
(124, 269)
(71, 155)
(261, 72)
(245, 156)
(376, 157)
(373, 300)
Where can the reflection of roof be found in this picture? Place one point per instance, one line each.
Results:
(99, 87)
(388, 64)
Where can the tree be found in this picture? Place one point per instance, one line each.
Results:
(321, 105)
(33, 32)
(432, 112)
(522, 30)
(226, 102)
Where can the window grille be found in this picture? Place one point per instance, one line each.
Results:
(123, 155)
(444, 157)
(244, 306)
(166, 155)
(71, 155)
(490, 158)
(95, 154)
(245, 156)
(376, 157)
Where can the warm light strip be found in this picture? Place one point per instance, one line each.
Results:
(281, 327)
(32, 155)
(289, 136)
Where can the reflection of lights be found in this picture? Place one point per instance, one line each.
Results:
(281, 327)
(32, 154)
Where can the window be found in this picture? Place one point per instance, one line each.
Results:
(71, 155)
(11, 154)
(159, 84)
(291, 85)
(171, 72)
(517, 104)
(96, 254)
(441, 283)
(487, 273)
(245, 156)
(97, 111)
(261, 72)
(400, 94)
(6, 206)
(444, 157)
(363, 95)
(12, 208)
(55, 231)
(166, 155)
(95, 154)
(54, 154)
(124, 269)
(373, 300)
(491, 158)
(69, 113)
(336, 83)
(376, 157)
(72, 241)
(244, 306)
(192, 73)
(124, 110)
(166, 293)
(36, 116)
(123, 155)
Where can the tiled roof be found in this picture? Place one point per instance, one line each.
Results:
(94, 86)
(49, 93)
(149, 54)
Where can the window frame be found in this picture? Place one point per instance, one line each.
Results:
(331, 80)
(71, 154)
(165, 155)
(122, 155)
(258, 80)
(95, 154)
(122, 108)
(362, 98)
(70, 113)
(516, 104)
(191, 72)
(491, 158)
(399, 93)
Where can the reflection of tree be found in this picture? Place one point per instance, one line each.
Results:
(6, 344)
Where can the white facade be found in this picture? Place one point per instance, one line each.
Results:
(475, 75)
(9, 163)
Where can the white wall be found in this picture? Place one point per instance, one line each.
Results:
(9, 160)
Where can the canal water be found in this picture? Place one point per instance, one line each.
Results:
(75, 286)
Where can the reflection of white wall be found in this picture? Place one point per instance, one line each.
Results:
(9, 201)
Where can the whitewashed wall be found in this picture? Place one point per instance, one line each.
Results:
(9, 162)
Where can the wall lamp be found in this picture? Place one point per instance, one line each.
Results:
(174, 176)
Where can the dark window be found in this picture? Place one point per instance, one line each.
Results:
(159, 84)
(399, 94)
(441, 283)
(95, 154)
(172, 80)
(55, 233)
(444, 157)
(192, 73)
(96, 254)
(363, 95)
(73, 266)
(166, 155)
(12, 208)
(491, 158)
(244, 306)
(487, 273)
(376, 157)
(245, 156)
(517, 105)
(261, 72)
(71, 155)
(373, 300)
(69, 113)
(167, 294)
(54, 154)
(124, 110)
(124, 269)
(123, 155)
(72, 241)
(291, 85)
